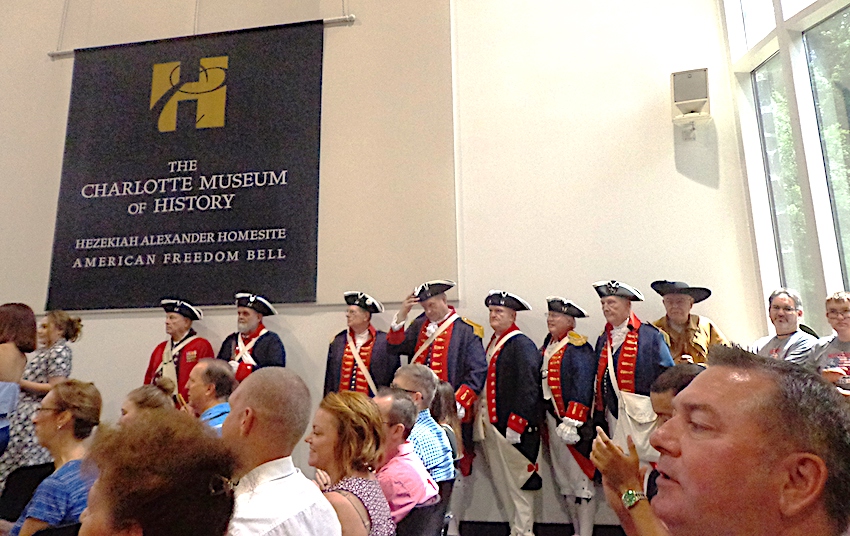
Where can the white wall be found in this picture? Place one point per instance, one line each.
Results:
(571, 170)
(568, 167)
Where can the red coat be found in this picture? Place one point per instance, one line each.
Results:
(188, 357)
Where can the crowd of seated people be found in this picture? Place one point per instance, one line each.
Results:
(386, 456)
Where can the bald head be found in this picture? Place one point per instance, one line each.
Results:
(270, 411)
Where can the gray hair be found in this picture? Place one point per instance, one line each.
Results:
(791, 293)
(423, 379)
(402, 411)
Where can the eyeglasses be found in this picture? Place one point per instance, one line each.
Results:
(396, 386)
(836, 313)
(783, 309)
(49, 409)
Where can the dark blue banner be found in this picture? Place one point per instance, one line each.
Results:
(191, 169)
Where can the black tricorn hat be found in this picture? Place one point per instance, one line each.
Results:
(364, 301)
(255, 302)
(429, 289)
(617, 288)
(680, 287)
(561, 305)
(181, 307)
(506, 299)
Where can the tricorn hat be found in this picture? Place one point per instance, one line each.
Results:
(364, 301)
(506, 299)
(429, 289)
(561, 305)
(181, 307)
(616, 288)
(255, 302)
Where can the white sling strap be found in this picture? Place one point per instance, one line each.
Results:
(244, 352)
(493, 348)
(425, 345)
(360, 365)
(166, 367)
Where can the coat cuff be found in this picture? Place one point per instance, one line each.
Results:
(395, 337)
(577, 412)
(465, 396)
(517, 423)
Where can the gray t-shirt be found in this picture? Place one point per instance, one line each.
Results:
(796, 348)
(831, 352)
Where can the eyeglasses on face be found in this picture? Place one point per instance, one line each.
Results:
(838, 313)
(396, 386)
(39, 410)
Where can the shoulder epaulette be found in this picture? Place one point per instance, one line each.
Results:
(478, 329)
(576, 339)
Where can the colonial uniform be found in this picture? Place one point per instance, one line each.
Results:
(255, 350)
(639, 352)
(699, 333)
(451, 348)
(175, 360)
(343, 371)
(509, 417)
(569, 373)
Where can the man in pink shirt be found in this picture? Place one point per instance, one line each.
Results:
(403, 478)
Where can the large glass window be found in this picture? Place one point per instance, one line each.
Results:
(797, 254)
(828, 51)
(758, 20)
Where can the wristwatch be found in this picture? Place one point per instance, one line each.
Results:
(631, 498)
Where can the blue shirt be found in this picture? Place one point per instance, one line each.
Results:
(215, 416)
(432, 446)
(59, 499)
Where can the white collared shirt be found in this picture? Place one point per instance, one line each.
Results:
(361, 338)
(433, 326)
(276, 499)
(618, 335)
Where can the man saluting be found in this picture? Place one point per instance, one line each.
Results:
(450, 345)
(440, 339)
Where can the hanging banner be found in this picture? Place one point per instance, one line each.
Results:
(191, 169)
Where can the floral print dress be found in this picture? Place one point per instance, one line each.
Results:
(23, 449)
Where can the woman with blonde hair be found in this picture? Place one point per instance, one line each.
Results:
(345, 446)
(156, 397)
(48, 366)
(67, 416)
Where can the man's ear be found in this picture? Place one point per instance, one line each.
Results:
(804, 480)
(397, 430)
(247, 420)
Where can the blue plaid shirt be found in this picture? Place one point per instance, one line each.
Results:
(432, 446)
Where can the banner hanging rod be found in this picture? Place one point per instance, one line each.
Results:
(344, 19)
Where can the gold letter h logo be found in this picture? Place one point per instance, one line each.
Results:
(209, 93)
